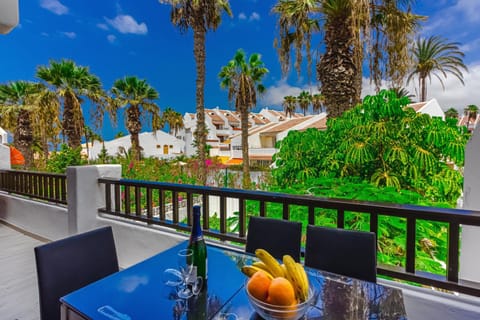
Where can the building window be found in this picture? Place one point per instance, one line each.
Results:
(158, 146)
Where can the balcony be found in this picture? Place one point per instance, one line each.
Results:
(150, 217)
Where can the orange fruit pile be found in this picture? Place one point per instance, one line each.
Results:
(278, 291)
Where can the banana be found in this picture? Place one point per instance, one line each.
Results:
(261, 265)
(251, 270)
(270, 262)
(303, 275)
(296, 275)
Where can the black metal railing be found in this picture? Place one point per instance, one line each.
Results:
(38, 185)
(147, 201)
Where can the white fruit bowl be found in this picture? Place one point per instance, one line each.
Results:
(273, 312)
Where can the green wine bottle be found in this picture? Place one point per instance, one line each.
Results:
(198, 246)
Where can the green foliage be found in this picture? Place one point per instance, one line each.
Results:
(381, 141)
(103, 156)
(431, 237)
(60, 160)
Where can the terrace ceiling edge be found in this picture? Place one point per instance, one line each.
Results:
(8, 15)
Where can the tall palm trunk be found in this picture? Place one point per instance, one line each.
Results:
(336, 69)
(201, 135)
(358, 77)
(72, 120)
(246, 160)
(423, 87)
(134, 126)
(24, 137)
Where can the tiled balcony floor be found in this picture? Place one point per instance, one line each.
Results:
(19, 292)
(18, 280)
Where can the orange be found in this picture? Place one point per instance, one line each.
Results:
(258, 285)
(281, 292)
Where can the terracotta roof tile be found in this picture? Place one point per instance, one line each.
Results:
(417, 106)
(286, 125)
(214, 116)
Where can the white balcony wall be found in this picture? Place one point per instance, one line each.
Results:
(134, 241)
(4, 157)
(262, 151)
(470, 236)
(45, 220)
(237, 154)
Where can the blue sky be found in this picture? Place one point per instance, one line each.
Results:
(127, 37)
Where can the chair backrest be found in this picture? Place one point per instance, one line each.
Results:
(346, 252)
(277, 236)
(69, 264)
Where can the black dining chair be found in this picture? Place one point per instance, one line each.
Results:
(278, 237)
(69, 264)
(346, 252)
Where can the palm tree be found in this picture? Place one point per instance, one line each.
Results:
(471, 111)
(451, 113)
(200, 16)
(243, 79)
(119, 135)
(304, 100)
(289, 105)
(402, 92)
(317, 102)
(174, 120)
(28, 110)
(296, 24)
(138, 97)
(14, 106)
(348, 25)
(72, 83)
(337, 75)
(435, 56)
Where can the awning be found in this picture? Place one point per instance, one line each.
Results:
(234, 161)
(16, 157)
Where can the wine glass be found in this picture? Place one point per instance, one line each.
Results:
(185, 265)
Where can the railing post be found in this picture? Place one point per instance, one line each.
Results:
(453, 246)
(410, 245)
(85, 195)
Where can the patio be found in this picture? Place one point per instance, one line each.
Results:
(19, 290)
(26, 223)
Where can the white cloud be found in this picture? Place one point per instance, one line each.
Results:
(274, 94)
(102, 26)
(44, 34)
(254, 17)
(70, 35)
(127, 24)
(111, 38)
(455, 94)
(468, 8)
(54, 6)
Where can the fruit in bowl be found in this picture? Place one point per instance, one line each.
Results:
(268, 311)
(277, 291)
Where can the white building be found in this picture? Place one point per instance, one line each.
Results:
(159, 145)
(222, 124)
(430, 107)
(3, 136)
(262, 139)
